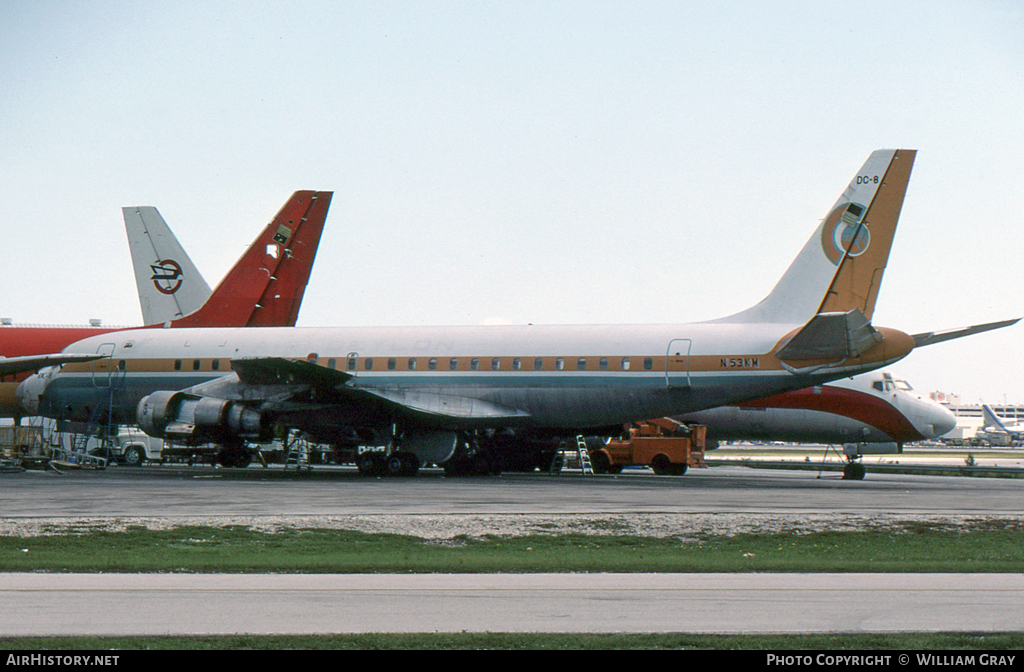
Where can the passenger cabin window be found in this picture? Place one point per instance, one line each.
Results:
(581, 364)
(196, 364)
(392, 363)
(432, 364)
(215, 365)
(368, 363)
(412, 363)
(496, 364)
(453, 364)
(351, 363)
(648, 363)
(625, 363)
(538, 363)
(603, 363)
(517, 364)
(332, 363)
(121, 365)
(560, 364)
(177, 365)
(474, 363)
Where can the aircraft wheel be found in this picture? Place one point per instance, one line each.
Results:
(412, 464)
(853, 471)
(402, 464)
(677, 469)
(371, 464)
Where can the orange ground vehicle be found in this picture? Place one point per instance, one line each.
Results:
(667, 446)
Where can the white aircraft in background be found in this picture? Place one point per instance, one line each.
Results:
(874, 407)
(456, 396)
(993, 424)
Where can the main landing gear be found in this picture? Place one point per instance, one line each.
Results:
(853, 471)
(379, 463)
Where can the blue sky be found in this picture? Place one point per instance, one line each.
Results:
(545, 162)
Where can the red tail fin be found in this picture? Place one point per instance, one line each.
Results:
(265, 287)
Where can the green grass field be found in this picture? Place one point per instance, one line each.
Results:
(983, 548)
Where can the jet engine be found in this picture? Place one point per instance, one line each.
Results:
(177, 415)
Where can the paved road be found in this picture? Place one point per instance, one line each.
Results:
(747, 603)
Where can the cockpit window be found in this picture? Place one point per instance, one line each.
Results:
(903, 385)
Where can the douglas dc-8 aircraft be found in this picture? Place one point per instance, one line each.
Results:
(452, 395)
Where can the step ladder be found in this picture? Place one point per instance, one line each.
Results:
(581, 449)
(296, 451)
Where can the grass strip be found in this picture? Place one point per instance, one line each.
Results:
(916, 548)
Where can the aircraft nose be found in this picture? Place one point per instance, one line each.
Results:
(944, 423)
(28, 393)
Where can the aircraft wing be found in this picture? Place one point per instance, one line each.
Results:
(14, 365)
(933, 337)
(285, 384)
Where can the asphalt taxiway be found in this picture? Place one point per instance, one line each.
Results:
(181, 604)
(177, 491)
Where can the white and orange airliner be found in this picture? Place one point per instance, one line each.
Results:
(456, 395)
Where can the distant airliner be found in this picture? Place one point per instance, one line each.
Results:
(994, 424)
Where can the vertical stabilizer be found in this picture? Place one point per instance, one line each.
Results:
(990, 419)
(169, 284)
(840, 268)
(265, 287)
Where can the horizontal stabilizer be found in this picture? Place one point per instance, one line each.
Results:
(832, 336)
(446, 405)
(13, 365)
(933, 337)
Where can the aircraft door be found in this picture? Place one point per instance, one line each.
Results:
(677, 363)
(103, 368)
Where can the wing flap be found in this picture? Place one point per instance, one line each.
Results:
(426, 402)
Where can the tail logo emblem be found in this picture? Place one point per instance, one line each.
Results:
(837, 235)
(167, 276)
